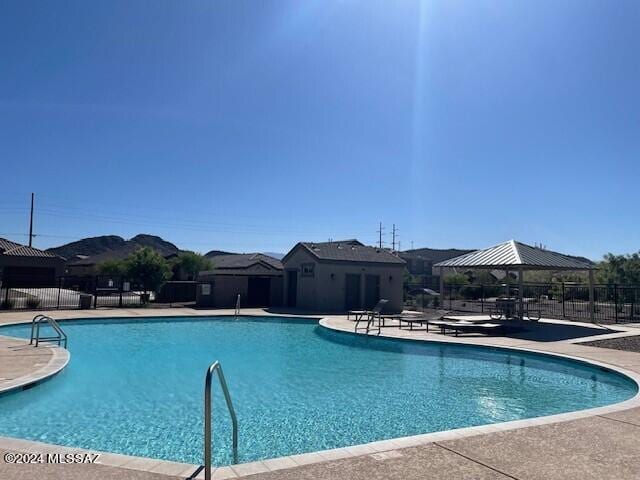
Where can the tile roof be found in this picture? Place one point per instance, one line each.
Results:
(13, 249)
(348, 251)
(513, 253)
(244, 260)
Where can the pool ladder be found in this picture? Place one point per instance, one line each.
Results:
(215, 367)
(237, 311)
(60, 336)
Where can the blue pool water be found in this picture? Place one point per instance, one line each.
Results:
(136, 387)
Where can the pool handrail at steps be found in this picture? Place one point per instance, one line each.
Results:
(215, 367)
(237, 310)
(35, 331)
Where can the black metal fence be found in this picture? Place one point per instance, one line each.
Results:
(69, 292)
(569, 301)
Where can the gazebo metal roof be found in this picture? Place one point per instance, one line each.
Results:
(516, 255)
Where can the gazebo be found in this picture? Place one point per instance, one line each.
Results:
(518, 256)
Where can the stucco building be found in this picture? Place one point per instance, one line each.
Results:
(341, 275)
(23, 266)
(256, 277)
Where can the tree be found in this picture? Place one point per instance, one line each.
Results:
(191, 264)
(115, 268)
(148, 268)
(456, 279)
(621, 269)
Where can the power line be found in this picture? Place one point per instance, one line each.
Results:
(90, 217)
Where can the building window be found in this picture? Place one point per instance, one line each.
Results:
(307, 269)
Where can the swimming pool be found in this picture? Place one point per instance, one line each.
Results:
(136, 387)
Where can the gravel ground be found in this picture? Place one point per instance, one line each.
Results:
(630, 344)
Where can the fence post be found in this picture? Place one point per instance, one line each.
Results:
(120, 299)
(592, 299)
(615, 300)
(59, 288)
(481, 298)
(563, 312)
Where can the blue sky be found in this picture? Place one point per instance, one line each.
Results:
(250, 125)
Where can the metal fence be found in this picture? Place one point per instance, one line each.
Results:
(569, 301)
(69, 292)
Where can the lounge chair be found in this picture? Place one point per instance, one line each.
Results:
(421, 318)
(465, 327)
(368, 316)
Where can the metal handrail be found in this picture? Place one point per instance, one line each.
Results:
(35, 331)
(237, 312)
(213, 368)
(33, 326)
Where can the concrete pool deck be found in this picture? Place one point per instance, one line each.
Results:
(605, 444)
(22, 364)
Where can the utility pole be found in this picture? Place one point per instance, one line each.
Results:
(380, 230)
(31, 221)
(393, 238)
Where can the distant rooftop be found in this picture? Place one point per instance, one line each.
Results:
(348, 251)
(243, 264)
(117, 254)
(433, 254)
(244, 260)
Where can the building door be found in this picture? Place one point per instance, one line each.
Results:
(371, 291)
(292, 288)
(259, 292)
(352, 292)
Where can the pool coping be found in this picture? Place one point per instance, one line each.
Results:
(57, 363)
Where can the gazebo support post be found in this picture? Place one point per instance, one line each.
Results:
(506, 283)
(520, 299)
(592, 303)
(441, 288)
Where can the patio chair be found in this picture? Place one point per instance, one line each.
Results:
(465, 327)
(369, 316)
(422, 318)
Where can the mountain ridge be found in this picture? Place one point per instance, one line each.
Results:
(92, 246)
